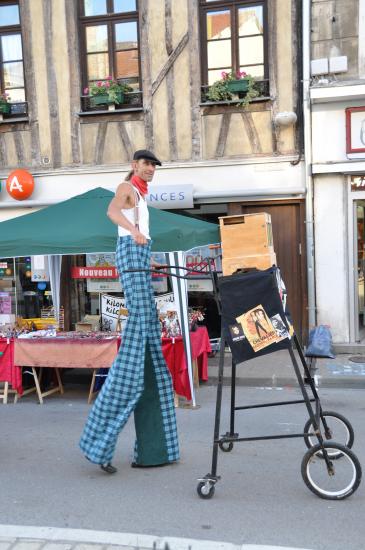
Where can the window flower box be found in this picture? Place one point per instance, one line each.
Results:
(5, 106)
(107, 92)
(236, 86)
(232, 85)
(105, 99)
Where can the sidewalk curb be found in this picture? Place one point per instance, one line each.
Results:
(279, 382)
(130, 540)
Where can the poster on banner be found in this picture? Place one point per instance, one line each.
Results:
(260, 329)
(165, 302)
(198, 258)
(110, 307)
(102, 285)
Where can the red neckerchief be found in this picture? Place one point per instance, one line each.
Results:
(139, 184)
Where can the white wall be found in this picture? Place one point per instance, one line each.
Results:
(265, 176)
(330, 216)
(329, 131)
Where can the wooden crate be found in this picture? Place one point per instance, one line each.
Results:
(246, 235)
(261, 261)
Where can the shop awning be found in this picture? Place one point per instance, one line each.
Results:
(80, 225)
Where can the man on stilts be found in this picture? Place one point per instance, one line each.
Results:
(139, 380)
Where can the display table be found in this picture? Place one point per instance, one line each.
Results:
(95, 353)
(56, 353)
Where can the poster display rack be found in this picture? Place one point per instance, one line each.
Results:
(254, 322)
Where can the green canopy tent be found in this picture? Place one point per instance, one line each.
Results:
(79, 226)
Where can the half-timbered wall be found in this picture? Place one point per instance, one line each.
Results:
(173, 121)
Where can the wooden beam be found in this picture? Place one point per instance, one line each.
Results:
(127, 144)
(74, 78)
(223, 133)
(195, 98)
(252, 133)
(171, 119)
(35, 148)
(146, 73)
(169, 63)
(100, 142)
(19, 148)
(3, 153)
(54, 121)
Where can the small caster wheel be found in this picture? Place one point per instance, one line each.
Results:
(226, 446)
(205, 489)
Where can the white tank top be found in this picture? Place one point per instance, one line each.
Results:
(137, 216)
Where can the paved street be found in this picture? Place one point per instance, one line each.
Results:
(261, 498)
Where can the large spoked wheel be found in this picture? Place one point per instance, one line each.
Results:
(333, 427)
(205, 489)
(334, 481)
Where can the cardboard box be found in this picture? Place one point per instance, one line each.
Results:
(261, 261)
(94, 320)
(83, 327)
(246, 235)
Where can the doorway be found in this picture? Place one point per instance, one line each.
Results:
(287, 217)
(359, 264)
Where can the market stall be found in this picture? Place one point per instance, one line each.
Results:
(78, 351)
(80, 225)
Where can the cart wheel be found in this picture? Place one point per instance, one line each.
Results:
(333, 481)
(226, 446)
(337, 428)
(205, 489)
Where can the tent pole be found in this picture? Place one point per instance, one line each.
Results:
(16, 293)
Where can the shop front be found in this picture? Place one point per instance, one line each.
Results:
(338, 115)
(206, 191)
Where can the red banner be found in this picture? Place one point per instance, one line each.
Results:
(94, 273)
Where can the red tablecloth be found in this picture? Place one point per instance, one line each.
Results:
(8, 371)
(174, 353)
(95, 353)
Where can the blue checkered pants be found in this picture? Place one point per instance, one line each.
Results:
(124, 390)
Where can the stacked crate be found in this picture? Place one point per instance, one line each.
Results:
(246, 242)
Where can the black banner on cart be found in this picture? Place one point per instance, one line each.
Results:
(253, 316)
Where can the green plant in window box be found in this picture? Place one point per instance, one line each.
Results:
(233, 85)
(5, 106)
(107, 92)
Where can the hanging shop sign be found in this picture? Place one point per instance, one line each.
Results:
(20, 184)
(105, 283)
(94, 273)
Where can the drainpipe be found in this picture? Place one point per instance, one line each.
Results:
(306, 21)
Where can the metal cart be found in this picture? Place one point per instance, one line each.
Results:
(329, 468)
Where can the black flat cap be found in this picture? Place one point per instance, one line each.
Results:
(144, 154)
